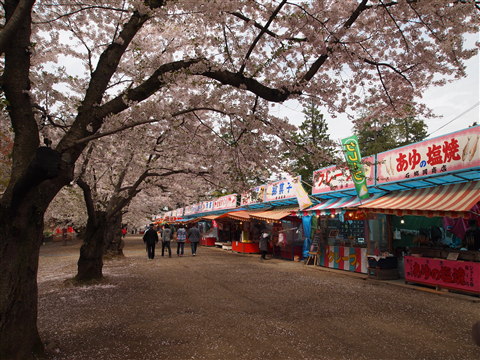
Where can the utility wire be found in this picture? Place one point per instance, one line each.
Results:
(455, 118)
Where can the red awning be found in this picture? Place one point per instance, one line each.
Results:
(455, 200)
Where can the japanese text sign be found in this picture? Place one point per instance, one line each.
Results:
(461, 275)
(333, 178)
(178, 213)
(253, 196)
(351, 151)
(448, 153)
(207, 206)
(279, 190)
(193, 209)
(225, 202)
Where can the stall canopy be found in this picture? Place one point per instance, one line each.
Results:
(274, 214)
(331, 206)
(455, 200)
(210, 217)
(241, 215)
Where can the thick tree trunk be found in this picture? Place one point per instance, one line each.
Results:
(90, 263)
(113, 237)
(20, 240)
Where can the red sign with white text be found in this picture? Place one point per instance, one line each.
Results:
(460, 275)
(448, 153)
(333, 178)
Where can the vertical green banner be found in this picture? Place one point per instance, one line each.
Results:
(351, 151)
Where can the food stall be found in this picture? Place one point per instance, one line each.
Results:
(237, 228)
(429, 234)
(206, 213)
(285, 229)
(434, 192)
(208, 230)
(345, 234)
(272, 208)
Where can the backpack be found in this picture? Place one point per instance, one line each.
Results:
(181, 234)
(166, 235)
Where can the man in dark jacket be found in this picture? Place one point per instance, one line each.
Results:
(166, 238)
(194, 238)
(150, 238)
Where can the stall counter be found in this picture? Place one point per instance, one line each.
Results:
(344, 258)
(245, 247)
(208, 241)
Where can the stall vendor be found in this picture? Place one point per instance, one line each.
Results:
(471, 241)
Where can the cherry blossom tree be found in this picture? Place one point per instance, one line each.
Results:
(67, 208)
(116, 168)
(123, 53)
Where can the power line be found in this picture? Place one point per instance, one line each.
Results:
(455, 118)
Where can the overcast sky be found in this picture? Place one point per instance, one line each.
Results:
(456, 104)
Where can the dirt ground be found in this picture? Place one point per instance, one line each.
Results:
(223, 305)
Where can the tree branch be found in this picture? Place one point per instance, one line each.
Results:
(377, 64)
(22, 10)
(259, 36)
(385, 6)
(322, 58)
(259, 26)
(139, 123)
(144, 90)
(241, 82)
(87, 195)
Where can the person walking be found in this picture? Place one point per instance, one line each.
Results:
(166, 238)
(150, 238)
(194, 237)
(263, 244)
(181, 238)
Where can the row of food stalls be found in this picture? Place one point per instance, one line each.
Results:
(410, 221)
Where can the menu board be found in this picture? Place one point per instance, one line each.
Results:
(349, 229)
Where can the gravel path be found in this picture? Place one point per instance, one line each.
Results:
(223, 305)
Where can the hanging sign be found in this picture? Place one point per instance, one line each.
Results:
(177, 213)
(443, 154)
(253, 196)
(225, 202)
(351, 151)
(334, 178)
(193, 209)
(279, 190)
(302, 196)
(207, 206)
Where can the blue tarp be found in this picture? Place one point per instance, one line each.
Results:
(307, 230)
